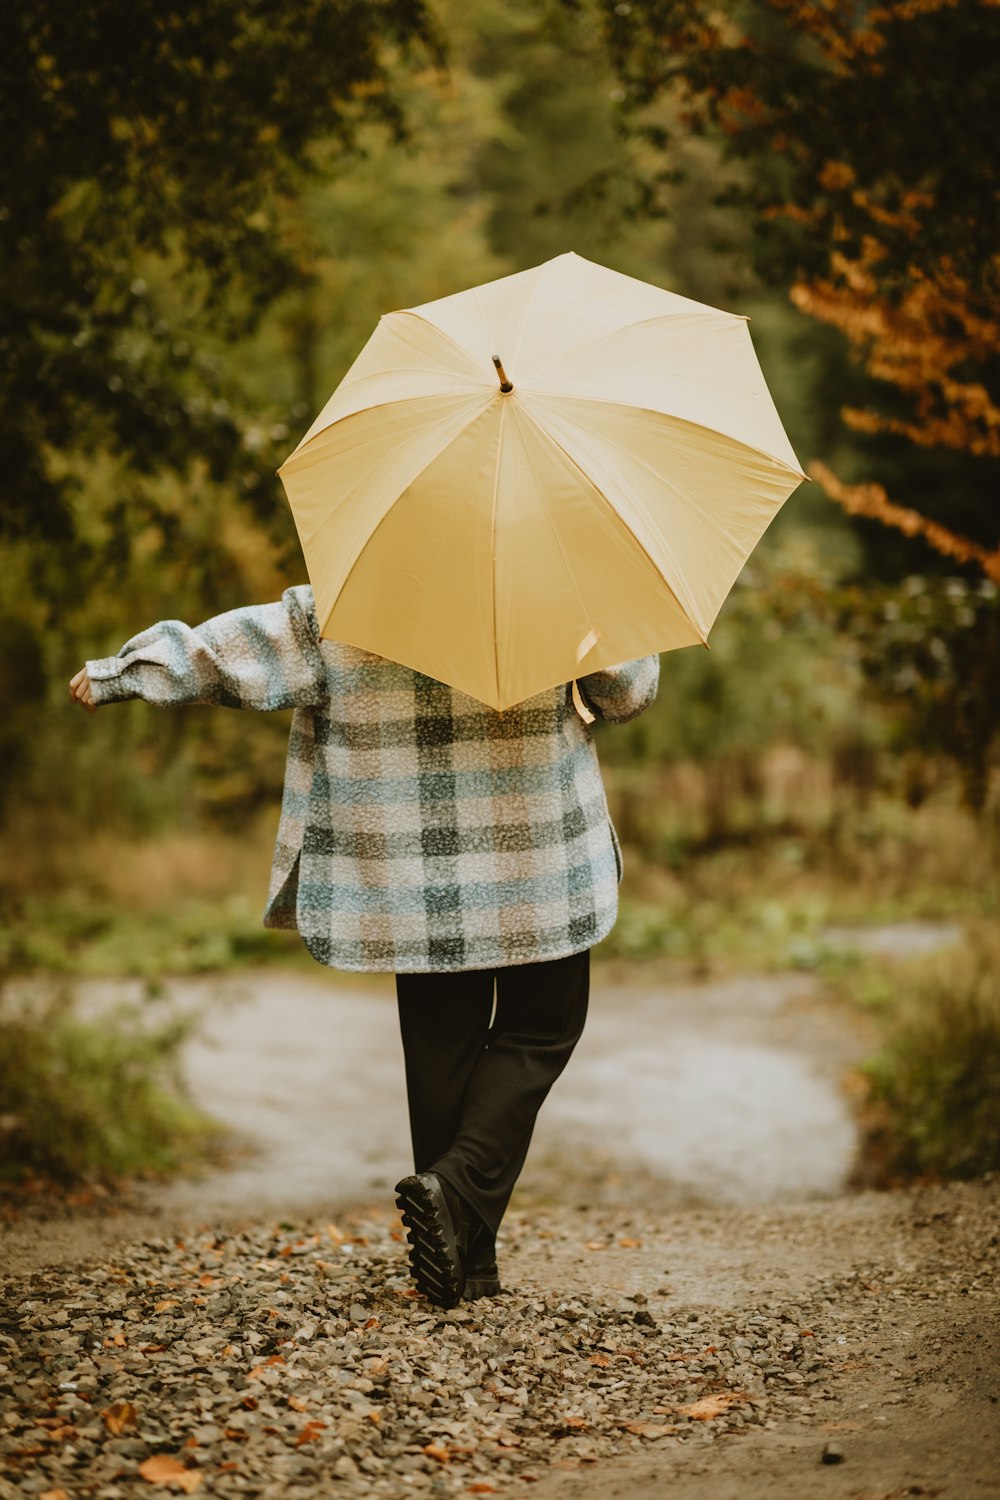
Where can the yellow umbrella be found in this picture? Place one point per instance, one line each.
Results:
(537, 478)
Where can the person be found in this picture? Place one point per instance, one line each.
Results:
(469, 852)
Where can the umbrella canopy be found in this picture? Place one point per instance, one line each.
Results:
(537, 478)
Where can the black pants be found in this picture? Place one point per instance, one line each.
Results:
(474, 1089)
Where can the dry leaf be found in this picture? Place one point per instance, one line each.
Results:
(235, 1434)
(297, 1403)
(162, 1468)
(481, 1487)
(53, 1495)
(648, 1429)
(601, 1360)
(207, 1279)
(439, 1452)
(375, 1415)
(595, 1245)
(119, 1416)
(630, 1244)
(167, 1302)
(229, 1464)
(335, 1234)
(151, 1348)
(708, 1407)
(118, 1342)
(309, 1433)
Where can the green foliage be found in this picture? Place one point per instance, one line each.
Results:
(936, 1082)
(174, 132)
(929, 651)
(85, 1099)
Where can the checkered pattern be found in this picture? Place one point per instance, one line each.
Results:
(420, 831)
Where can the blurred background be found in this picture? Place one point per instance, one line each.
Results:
(205, 206)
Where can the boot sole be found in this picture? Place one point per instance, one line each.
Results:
(434, 1261)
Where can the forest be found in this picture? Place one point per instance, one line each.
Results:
(206, 209)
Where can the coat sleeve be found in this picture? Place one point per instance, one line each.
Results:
(620, 693)
(264, 657)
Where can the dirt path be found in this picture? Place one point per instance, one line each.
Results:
(696, 1306)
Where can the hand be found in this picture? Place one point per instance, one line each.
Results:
(80, 691)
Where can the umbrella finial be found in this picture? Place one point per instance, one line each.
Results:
(505, 385)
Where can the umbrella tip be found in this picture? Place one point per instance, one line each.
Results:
(505, 385)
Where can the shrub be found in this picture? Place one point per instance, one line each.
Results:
(935, 1084)
(85, 1099)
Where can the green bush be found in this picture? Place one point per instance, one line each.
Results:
(93, 1099)
(935, 1083)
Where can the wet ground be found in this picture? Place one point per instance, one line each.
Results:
(726, 1092)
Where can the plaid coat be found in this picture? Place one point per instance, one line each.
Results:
(420, 830)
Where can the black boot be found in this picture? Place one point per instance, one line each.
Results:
(438, 1237)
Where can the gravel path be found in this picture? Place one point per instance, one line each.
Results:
(295, 1360)
(692, 1308)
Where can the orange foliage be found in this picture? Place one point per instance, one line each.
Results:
(871, 500)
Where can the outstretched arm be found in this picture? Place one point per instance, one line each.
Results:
(263, 657)
(620, 693)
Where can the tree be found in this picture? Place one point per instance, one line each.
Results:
(859, 132)
(171, 130)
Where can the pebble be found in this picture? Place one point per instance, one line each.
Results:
(270, 1361)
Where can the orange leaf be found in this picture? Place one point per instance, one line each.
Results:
(601, 1360)
(151, 1348)
(595, 1245)
(162, 1468)
(229, 1464)
(648, 1429)
(481, 1487)
(116, 1418)
(206, 1279)
(276, 1359)
(53, 1495)
(630, 1244)
(167, 1302)
(335, 1234)
(438, 1451)
(297, 1403)
(235, 1434)
(310, 1432)
(708, 1407)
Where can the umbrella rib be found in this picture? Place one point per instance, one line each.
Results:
(670, 417)
(695, 625)
(635, 323)
(493, 547)
(394, 502)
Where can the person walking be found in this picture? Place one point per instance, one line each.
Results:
(465, 850)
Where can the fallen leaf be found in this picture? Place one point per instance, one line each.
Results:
(229, 1464)
(151, 1348)
(162, 1468)
(276, 1359)
(236, 1434)
(53, 1495)
(600, 1360)
(335, 1234)
(207, 1279)
(118, 1342)
(226, 1352)
(297, 1403)
(650, 1430)
(309, 1433)
(595, 1245)
(167, 1302)
(708, 1407)
(439, 1452)
(481, 1487)
(509, 1440)
(375, 1415)
(250, 1402)
(630, 1244)
(119, 1416)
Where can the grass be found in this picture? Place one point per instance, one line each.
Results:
(84, 1100)
(932, 1106)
